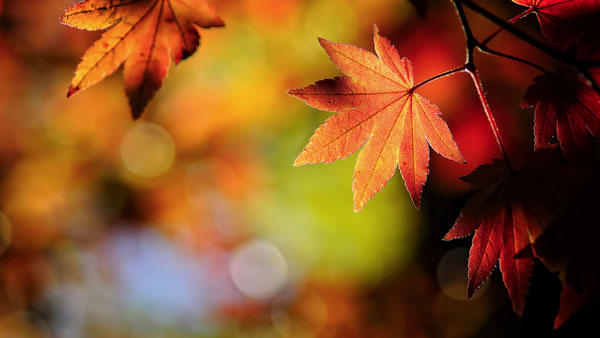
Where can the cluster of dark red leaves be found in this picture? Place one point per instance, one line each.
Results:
(565, 103)
(546, 208)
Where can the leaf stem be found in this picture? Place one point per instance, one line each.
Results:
(582, 66)
(472, 44)
(488, 113)
(517, 32)
(511, 21)
(437, 77)
(487, 50)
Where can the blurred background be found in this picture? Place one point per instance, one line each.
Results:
(192, 222)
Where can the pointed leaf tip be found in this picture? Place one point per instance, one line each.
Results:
(470, 292)
(357, 207)
(417, 202)
(452, 235)
(218, 22)
(71, 91)
(375, 30)
(300, 160)
(294, 92)
(136, 113)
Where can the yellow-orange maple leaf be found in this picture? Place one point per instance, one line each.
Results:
(376, 104)
(144, 35)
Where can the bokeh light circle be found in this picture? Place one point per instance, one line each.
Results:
(452, 275)
(258, 269)
(147, 150)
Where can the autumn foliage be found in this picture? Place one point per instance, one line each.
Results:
(565, 107)
(213, 207)
(377, 107)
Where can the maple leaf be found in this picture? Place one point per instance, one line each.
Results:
(508, 211)
(144, 35)
(376, 105)
(565, 106)
(566, 22)
(569, 245)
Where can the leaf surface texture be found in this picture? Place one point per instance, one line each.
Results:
(376, 107)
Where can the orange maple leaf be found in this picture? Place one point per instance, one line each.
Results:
(376, 105)
(144, 35)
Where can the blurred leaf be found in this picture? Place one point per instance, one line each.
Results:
(143, 34)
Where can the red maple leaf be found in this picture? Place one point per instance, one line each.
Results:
(565, 106)
(569, 245)
(566, 22)
(507, 213)
(376, 105)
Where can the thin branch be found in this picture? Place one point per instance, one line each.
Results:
(439, 76)
(485, 49)
(511, 21)
(582, 66)
(488, 113)
(470, 67)
(518, 33)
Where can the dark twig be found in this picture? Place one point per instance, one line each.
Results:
(470, 67)
(439, 76)
(582, 66)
